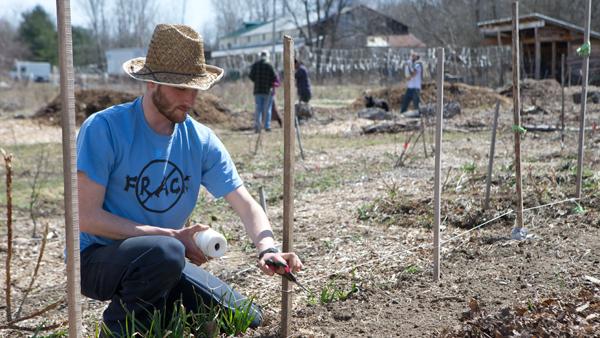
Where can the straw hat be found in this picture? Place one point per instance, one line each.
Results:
(175, 58)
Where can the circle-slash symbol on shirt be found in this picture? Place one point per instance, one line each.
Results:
(159, 186)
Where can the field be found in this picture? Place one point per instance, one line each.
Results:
(362, 225)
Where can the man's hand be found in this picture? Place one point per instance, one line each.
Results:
(289, 258)
(192, 251)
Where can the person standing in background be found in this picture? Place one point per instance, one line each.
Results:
(263, 75)
(302, 81)
(413, 87)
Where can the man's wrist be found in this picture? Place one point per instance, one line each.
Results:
(266, 251)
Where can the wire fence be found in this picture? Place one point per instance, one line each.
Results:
(479, 66)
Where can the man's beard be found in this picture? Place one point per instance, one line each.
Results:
(166, 108)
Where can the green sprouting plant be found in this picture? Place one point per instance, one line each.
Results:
(329, 245)
(363, 212)
(530, 305)
(209, 321)
(578, 208)
(411, 269)
(233, 321)
(469, 168)
(331, 292)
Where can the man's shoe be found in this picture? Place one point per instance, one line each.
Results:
(268, 130)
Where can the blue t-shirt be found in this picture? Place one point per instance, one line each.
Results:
(150, 178)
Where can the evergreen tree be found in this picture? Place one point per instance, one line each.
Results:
(38, 33)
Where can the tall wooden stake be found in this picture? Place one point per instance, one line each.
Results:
(488, 180)
(262, 198)
(299, 136)
(288, 177)
(437, 194)
(586, 66)
(67, 93)
(517, 112)
(562, 101)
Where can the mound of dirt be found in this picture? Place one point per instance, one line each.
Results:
(207, 108)
(542, 91)
(87, 102)
(467, 96)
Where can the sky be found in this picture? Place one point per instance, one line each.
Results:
(198, 12)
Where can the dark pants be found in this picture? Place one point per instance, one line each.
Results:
(412, 94)
(304, 96)
(141, 274)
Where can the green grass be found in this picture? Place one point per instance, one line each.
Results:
(43, 159)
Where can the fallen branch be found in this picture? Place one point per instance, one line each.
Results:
(34, 329)
(33, 314)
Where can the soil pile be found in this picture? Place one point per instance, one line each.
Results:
(207, 108)
(537, 92)
(210, 110)
(87, 102)
(467, 96)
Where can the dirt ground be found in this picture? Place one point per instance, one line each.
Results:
(363, 227)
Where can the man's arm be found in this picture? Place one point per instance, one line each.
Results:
(93, 219)
(413, 70)
(258, 228)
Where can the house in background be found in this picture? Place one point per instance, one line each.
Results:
(361, 26)
(358, 27)
(543, 40)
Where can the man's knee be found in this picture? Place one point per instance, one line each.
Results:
(167, 255)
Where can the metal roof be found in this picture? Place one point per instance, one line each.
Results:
(539, 16)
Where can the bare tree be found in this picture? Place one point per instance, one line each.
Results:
(135, 21)
(12, 48)
(231, 14)
(96, 13)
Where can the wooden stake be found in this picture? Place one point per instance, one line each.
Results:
(263, 200)
(562, 101)
(517, 112)
(488, 180)
(9, 234)
(69, 166)
(584, 89)
(288, 178)
(423, 133)
(297, 124)
(437, 193)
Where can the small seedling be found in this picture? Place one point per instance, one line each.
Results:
(412, 269)
(530, 305)
(469, 168)
(363, 212)
(331, 292)
(578, 209)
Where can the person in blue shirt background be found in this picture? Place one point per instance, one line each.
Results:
(140, 168)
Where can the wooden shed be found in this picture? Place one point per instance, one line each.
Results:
(543, 41)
